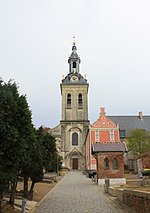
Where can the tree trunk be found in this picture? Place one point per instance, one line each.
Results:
(1, 197)
(25, 190)
(13, 191)
(30, 195)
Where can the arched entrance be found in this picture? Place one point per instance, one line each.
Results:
(75, 160)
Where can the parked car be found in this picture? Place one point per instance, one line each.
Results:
(91, 173)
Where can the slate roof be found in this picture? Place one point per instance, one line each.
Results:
(108, 147)
(129, 123)
(74, 54)
(81, 80)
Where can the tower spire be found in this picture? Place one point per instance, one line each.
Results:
(74, 59)
(74, 75)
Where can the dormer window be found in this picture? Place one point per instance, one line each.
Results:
(122, 133)
(69, 100)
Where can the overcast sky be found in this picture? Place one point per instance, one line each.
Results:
(112, 39)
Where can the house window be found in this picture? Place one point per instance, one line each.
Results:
(80, 100)
(122, 133)
(69, 100)
(115, 163)
(112, 135)
(74, 139)
(97, 135)
(106, 163)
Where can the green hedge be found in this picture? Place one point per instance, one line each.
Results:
(146, 172)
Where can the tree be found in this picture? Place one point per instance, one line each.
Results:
(55, 164)
(34, 169)
(139, 141)
(49, 150)
(16, 130)
(23, 149)
(42, 156)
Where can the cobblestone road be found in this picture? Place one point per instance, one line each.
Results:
(77, 193)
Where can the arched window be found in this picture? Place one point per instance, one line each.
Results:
(115, 163)
(80, 100)
(74, 139)
(69, 100)
(74, 64)
(106, 163)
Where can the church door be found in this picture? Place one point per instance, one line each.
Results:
(75, 163)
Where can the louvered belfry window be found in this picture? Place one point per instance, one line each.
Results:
(80, 100)
(69, 100)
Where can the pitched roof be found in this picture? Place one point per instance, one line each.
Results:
(129, 123)
(108, 147)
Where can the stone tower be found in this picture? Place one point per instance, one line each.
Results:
(74, 121)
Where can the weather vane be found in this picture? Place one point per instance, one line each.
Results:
(74, 40)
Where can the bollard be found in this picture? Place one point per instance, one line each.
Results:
(107, 184)
(23, 205)
(142, 182)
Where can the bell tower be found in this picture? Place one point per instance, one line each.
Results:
(74, 118)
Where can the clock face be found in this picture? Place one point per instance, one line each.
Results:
(74, 78)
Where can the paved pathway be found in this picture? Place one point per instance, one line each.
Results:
(76, 193)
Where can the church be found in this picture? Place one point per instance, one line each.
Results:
(71, 133)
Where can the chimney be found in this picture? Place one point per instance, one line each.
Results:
(140, 115)
(102, 111)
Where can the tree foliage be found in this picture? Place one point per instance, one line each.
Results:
(48, 145)
(16, 130)
(23, 149)
(42, 157)
(139, 141)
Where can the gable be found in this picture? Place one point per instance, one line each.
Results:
(104, 122)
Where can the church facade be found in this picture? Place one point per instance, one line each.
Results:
(70, 134)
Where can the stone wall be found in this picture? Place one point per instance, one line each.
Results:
(139, 201)
(136, 201)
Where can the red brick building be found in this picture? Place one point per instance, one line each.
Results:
(110, 162)
(107, 150)
(101, 131)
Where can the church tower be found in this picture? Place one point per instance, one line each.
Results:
(74, 120)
